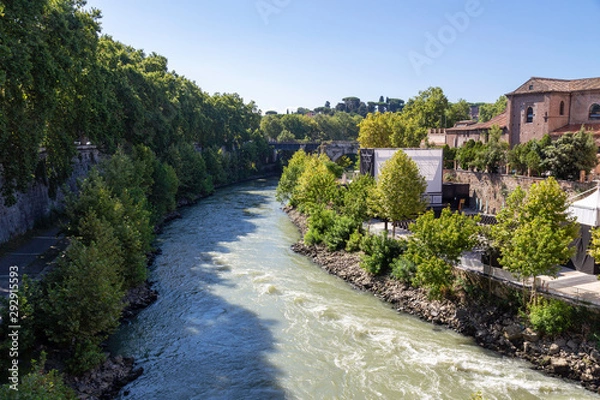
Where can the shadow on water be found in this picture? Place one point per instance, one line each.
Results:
(192, 342)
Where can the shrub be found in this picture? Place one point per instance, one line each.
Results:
(318, 223)
(551, 317)
(338, 235)
(353, 243)
(404, 269)
(380, 251)
(38, 385)
(27, 297)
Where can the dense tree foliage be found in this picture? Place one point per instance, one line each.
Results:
(400, 189)
(570, 154)
(563, 158)
(437, 245)
(534, 231)
(488, 111)
(63, 84)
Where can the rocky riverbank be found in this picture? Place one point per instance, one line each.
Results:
(492, 322)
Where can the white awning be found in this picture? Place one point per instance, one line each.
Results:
(587, 210)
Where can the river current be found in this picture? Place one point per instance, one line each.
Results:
(241, 316)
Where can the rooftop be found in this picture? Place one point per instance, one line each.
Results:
(544, 85)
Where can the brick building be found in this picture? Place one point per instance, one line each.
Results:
(553, 106)
(537, 107)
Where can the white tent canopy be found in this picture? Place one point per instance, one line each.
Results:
(587, 210)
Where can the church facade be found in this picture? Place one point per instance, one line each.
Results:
(539, 106)
(553, 106)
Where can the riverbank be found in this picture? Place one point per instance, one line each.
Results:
(494, 323)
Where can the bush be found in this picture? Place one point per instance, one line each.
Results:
(380, 251)
(353, 243)
(27, 297)
(551, 317)
(404, 269)
(338, 235)
(38, 385)
(318, 223)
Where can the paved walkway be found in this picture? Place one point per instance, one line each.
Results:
(31, 257)
(568, 283)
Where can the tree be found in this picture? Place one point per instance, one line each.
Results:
(400, 188)
(493, 155)
(469, 155)
(488, 111)
(458, 111)
(286, 188)
(271, 126)
(317, 186)
(534, 231)
(570, 154)
(355, 198)
(437, 245)
(375, 131)
(428, 109)
(381, 130)
(529, 158)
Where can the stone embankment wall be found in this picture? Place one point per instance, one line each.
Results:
(36, 205)
(488, 192)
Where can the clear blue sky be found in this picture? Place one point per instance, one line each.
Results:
(289, 53)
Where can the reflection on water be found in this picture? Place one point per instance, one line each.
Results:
(240, 316)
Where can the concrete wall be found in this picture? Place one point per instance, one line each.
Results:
(35, 204)
(488, 192)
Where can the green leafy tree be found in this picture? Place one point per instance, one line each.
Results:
(437, 245)
(129, 221)
(286, 188)
(470, 155)
(400, 188)
(83, 300)
(376, 131)
(384, 130)
(317, 185)
(355, 198)
(529, 158)
(455, 112)
(488, 111)
(271, 126)
(570, 154)
(194, 180)
(427, 109)
(534, 231)
(493, 155)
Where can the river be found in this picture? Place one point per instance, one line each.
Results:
(241, 316)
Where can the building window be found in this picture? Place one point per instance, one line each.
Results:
(561, 111)
(529, 117)
(595, 111)
(530, 87)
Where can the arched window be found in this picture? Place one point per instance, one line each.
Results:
(561, 110)
(529, 115)
(595, 111)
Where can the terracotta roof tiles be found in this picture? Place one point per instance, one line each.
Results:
(542, 85)
(500, 120)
